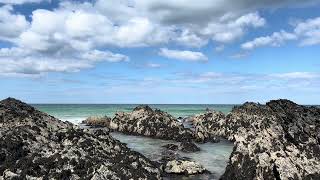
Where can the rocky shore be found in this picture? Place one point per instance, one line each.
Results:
(34, 145)
(279, 140)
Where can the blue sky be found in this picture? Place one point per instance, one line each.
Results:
(160, 51)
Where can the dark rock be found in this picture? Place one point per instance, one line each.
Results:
(188, 147)
(183, 146)
(171, 147)
(34, 145)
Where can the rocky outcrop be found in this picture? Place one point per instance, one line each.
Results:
(209, 127)
(148, 122)
(35, 145)
(97, 122)
(279, 140)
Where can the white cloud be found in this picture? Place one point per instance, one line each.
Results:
(11, 24)
(228, 30)
(309, 31)
(187, 38)
(275, 40)
(76, 31)
(239, 55)
(296, 75)
(183, 55)
(204, 11)
(25, 63)
(97, 55)
(153, 65)
(21, 1)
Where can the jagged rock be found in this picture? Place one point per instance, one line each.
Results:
(97, 122)
(168, 155)
(34, 145)
(209, 127)
(188, 147)
(186, 167)
(279, 140)
(172, 147)
(145, 121)
(183, 146)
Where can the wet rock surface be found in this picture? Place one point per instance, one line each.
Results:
(145, 121)
(188, 147)
(279, 140)
(172, 147)
(183, 146)
(36, 145)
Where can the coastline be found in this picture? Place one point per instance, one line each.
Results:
(280, 138)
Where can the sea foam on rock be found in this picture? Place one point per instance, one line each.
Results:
(279, 140)
(35, 145)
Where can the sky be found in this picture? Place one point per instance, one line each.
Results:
(160, 51)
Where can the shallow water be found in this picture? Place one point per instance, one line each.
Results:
(213, 156)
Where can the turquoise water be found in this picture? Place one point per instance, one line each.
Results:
(76, 113)
(212, 156)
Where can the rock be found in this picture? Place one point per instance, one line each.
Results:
(209, 127)
(97, 122)
(34, 145)
(183, 146)
(188, 147)
(168, 155)
(171, 147)
(279, 140)
(145, 121)
(183, 167)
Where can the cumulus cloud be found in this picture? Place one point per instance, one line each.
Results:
(307, 32)
(183, 55)
(12, 25)
(21, 1)
(276, 39)
(204, 11)
(97, 55)
(85, 30)
(228, 30)
(20, 62)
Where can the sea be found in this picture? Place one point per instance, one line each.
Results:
(212, 156)
(76, 113)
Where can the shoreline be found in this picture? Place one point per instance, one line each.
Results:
(272, 137)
